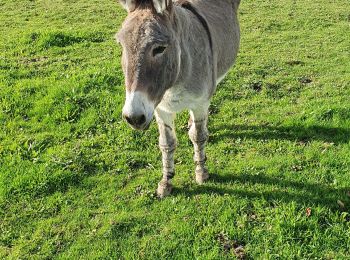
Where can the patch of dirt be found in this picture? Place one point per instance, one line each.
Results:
(295, 62)
(231, 246)
(256, 86)
(305, 80)
(34, 60)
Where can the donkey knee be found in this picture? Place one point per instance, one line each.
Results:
(198, 132)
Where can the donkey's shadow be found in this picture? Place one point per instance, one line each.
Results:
(286, 190)
(337, 135)
(303, 193)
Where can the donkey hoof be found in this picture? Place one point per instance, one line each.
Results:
(164, 189)
(201, 176)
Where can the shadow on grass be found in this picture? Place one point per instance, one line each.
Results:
(274, 190)
(335, 135)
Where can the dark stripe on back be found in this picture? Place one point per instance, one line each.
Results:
(187, 5)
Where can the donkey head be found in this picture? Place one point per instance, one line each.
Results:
(150, 59)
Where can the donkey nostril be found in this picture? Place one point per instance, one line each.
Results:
(128, 119)
(141, 120)
(136, 120)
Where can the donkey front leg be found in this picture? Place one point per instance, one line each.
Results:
(198, 134)
(167, 144)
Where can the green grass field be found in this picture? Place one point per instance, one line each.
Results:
(77, 182)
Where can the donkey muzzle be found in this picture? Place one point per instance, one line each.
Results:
(138, 110)
(136, 121)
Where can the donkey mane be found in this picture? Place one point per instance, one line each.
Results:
(144, 4)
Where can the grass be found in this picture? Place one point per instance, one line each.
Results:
(76, 182)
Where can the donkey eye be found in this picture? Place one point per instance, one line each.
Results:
(158, 50)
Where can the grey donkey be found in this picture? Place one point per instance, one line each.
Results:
(174, 55)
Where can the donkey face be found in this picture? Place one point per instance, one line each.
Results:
(150, 58)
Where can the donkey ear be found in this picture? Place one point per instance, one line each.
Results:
(162, 5)
(129, 5)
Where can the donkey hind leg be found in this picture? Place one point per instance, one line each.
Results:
(198, 134)
(167, 144)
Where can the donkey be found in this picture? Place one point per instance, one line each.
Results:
(174, 55)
